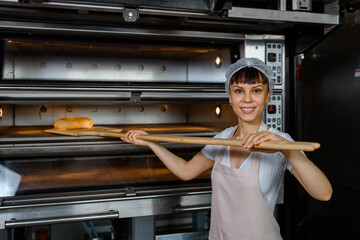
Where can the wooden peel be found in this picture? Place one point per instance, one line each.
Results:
(116, 132)
(94, 131)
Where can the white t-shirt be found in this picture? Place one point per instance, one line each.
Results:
(271, 170)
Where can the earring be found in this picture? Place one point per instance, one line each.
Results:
(230, 104)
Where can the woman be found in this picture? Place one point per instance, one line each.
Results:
(245, 181)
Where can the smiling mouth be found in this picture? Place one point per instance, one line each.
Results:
(247, 109)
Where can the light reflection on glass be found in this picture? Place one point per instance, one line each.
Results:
(9, 181)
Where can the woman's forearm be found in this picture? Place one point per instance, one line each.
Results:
(310, 176)
(175, 164)
(185, 170)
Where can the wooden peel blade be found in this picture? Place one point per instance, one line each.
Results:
(94, 131)
(274, 145)
(114, 132)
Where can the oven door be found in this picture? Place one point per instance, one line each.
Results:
(69, 189)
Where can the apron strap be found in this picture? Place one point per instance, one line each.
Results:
(263, 127)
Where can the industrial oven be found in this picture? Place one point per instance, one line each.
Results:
(158, 68)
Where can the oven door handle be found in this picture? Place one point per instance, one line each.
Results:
(15, 223)
(181, 209)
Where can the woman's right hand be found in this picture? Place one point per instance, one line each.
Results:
(130, 137)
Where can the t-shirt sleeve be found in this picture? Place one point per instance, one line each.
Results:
(286, 164)
(213, 151)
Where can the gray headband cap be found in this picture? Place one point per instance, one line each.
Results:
(253, 63)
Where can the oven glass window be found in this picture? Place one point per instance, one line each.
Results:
(85, 173)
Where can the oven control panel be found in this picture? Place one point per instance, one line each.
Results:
(274, 112)
(273, 59)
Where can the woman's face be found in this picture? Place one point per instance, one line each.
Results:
(248, 100)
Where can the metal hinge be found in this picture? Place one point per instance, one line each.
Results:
(130, 14)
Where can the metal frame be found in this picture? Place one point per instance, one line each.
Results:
(36, 27)
(284, 16)
(234, 13)
(38, 94)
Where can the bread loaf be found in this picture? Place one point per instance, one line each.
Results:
(73, 123)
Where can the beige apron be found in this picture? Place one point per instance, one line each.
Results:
(238, 208)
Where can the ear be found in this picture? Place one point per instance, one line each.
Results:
(229, 97)
(268, 95)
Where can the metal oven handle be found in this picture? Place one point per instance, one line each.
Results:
(181, 209)
(14, 223)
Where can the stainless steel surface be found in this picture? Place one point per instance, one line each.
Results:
(105, 98)
(35, 27)
(265, 37)
(112, 88)
(111, 68)
(102, 7)
(7, 117)
(13, 223)
(184, 236)
(74, 147)
(254, 48)
(29, 94)
(202, 69)
(103, 195)
(190, 97)
(30, 115)
(179, 209)
(234, 13)
(46, 60)
(65, 5)
(23, 150)
(282, 5)
(302, 5)
(285, 16)
(52, 68)
(136, 206)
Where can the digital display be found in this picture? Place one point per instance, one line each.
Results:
(271, 109)
(271, 57)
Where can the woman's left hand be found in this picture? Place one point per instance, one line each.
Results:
(250, 140)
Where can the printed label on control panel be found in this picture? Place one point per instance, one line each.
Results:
(357, 72)
(273, 59)
(273, 112)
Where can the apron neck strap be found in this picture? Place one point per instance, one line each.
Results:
(263, 126)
